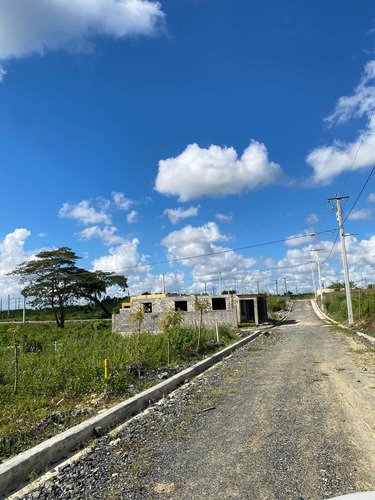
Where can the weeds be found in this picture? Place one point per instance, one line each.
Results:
(62, 370)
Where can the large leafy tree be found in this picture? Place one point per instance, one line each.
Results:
(52, 279)
(92, 285)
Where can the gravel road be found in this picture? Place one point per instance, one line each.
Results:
(290, 416)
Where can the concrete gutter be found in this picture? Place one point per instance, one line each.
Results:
(14, 472)
(323, 316)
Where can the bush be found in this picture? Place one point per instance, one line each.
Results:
(276, 303)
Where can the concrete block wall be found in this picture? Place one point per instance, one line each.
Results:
(230, 316)
(121, 323)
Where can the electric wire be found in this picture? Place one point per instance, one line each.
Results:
(360, 193)
(359, 147)
(220, 252)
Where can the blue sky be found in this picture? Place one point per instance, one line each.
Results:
(138, 132)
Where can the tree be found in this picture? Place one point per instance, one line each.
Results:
(137, 317)
(92, 285)
(201, 306)
(53, 279)
(340, 286)
(50, 279)
(170, 320)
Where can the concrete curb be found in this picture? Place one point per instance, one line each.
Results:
(15, 471)
(323, 316)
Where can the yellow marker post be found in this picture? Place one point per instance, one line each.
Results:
(106, 368)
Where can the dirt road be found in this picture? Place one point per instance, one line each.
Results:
(292, 416)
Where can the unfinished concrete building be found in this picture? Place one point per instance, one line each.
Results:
(230, 310)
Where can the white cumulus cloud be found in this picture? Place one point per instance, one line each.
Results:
(296, 240)
(39, 26)
(371, 198)
(216, 171)
(12, 253)
(330, 161)
(361, 214)
(177, 214)
(132, 217)
(119, 258)
(84, 213)
(107, 235)
(121, 201)
(197, 241)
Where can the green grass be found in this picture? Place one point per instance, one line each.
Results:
(363, 305)
(276, 303)
(63, 369)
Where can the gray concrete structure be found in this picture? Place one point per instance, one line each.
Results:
(230, 310)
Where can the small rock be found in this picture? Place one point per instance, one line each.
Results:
(99, 431)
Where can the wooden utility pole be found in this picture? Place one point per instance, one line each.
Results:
(344, 259)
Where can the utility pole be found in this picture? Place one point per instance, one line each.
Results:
(344, 259)
(277, 290)
(220, 283)
(257, 282)
(205, 288)
(311, 262)
(296, 290)
(164, 284)
(8, 305)
(24, 310)
(317, 250)
(286, 288)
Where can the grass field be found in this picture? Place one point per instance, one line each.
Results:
(61, 373)
(363, 305)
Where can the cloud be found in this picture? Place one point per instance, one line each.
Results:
(39, 26)
(300, 238)
(216, 171)
(3, 72)
(132, 217)
(177, 214)
(330, 161)
(312, 218)
(107, 235)
(120, 258)
(371, 198)
(196, 241)
(362, 214)
(12, 253)
(203, 235)
(223, 217)
(121, 201)
(174, 283)
(84, 213)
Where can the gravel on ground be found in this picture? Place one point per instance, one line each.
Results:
(290, 416)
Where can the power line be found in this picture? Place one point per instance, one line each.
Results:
(359, 147)
(220, 252)
(360, 193)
